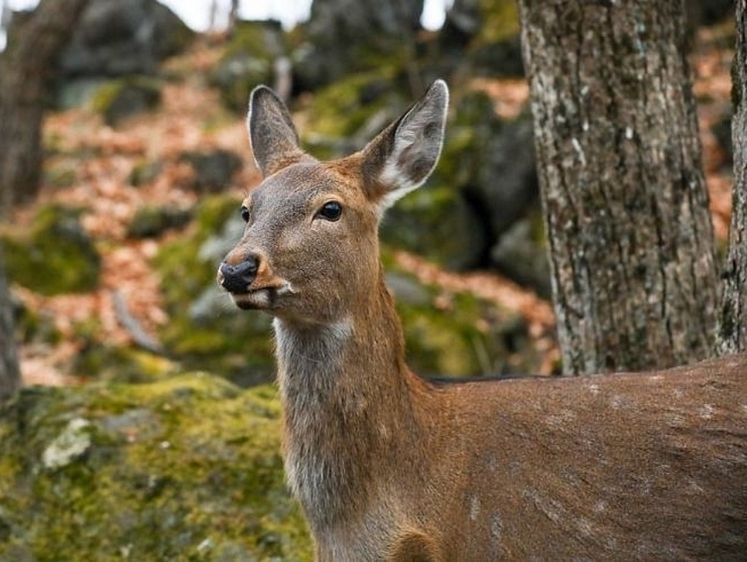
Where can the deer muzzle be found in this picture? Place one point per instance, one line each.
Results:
(236, 279)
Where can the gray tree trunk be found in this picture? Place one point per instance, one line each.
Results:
(624, 196)
(25, 69)
(732, 332)
(10, 376)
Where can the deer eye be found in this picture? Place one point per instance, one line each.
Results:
(245, 214)
(330, 211)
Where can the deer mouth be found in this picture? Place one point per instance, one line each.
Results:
(259, 298)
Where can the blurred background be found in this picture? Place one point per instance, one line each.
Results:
(111, 239)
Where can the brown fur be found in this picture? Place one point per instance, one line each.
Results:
(388, 466)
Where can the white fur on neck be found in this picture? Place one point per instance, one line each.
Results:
(309, 361)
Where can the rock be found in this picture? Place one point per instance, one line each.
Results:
(118, 100)
(506, 186)
(721, 129)
(151, 222)
(186, 468)
(123, 37)
(436, 222)
(55, 256)
(145, 172)
(74, 440)
(345, 36)
(249, 60)
(521, 254)
(213, 170)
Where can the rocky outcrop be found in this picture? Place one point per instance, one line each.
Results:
(120, 37)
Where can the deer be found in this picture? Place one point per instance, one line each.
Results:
(387, 465)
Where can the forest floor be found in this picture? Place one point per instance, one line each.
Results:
(191, 118)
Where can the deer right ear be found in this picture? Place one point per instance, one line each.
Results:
(274, 139)
(404, 154)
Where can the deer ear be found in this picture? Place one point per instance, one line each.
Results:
(404, 154)
(274, 139)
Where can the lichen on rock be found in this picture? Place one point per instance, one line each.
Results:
(187, 468)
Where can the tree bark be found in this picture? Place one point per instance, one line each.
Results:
(732, 330)
(10, 376)
(25, 69)
(629, 232)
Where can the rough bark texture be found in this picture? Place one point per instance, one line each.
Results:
(732, 332)
(25, 69)
(624, 196)
(10, 376)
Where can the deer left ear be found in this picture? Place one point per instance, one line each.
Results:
(274, 138)
(404, 154)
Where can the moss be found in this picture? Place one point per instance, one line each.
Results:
(144, 172)
(119, 99)
(103, 362)
(55, 255)
(500, 21)
(183, 469)
(150, 221)
(437, 223)
(447, 333)
(342, 108)
(248, 61)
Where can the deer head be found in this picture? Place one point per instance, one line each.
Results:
(310, 247)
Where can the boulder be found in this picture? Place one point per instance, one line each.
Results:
(186, 468)
(122, 37)
(213, 169)
(521, 254)
(344, 36)
(54, 256)
(118, 100)
(249, 59)
(152, 221)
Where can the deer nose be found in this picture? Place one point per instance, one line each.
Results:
(237, 278)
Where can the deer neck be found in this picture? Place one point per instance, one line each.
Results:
(347, 405)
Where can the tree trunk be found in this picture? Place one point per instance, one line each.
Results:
(619, 162)
(25, 70)
(10, 376)
(732, 332)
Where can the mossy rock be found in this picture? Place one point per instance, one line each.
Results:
(144, 171)
(55, 256)
(99, 361)
(205, 329)
(120, 99)
(346, 114)
(248, 61)
(152, 221)
(183, 469)
(213, 169)
(454, 333)
(437, 222)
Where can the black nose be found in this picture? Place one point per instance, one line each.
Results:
(237, 278)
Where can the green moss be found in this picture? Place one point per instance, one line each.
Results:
(150, 221)
(183, 469)
(446, 332)
(342, 108)
(100, 361)
(500, 21)
(119, 99)
(248, 61)
(437, 223)
(55, 255)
